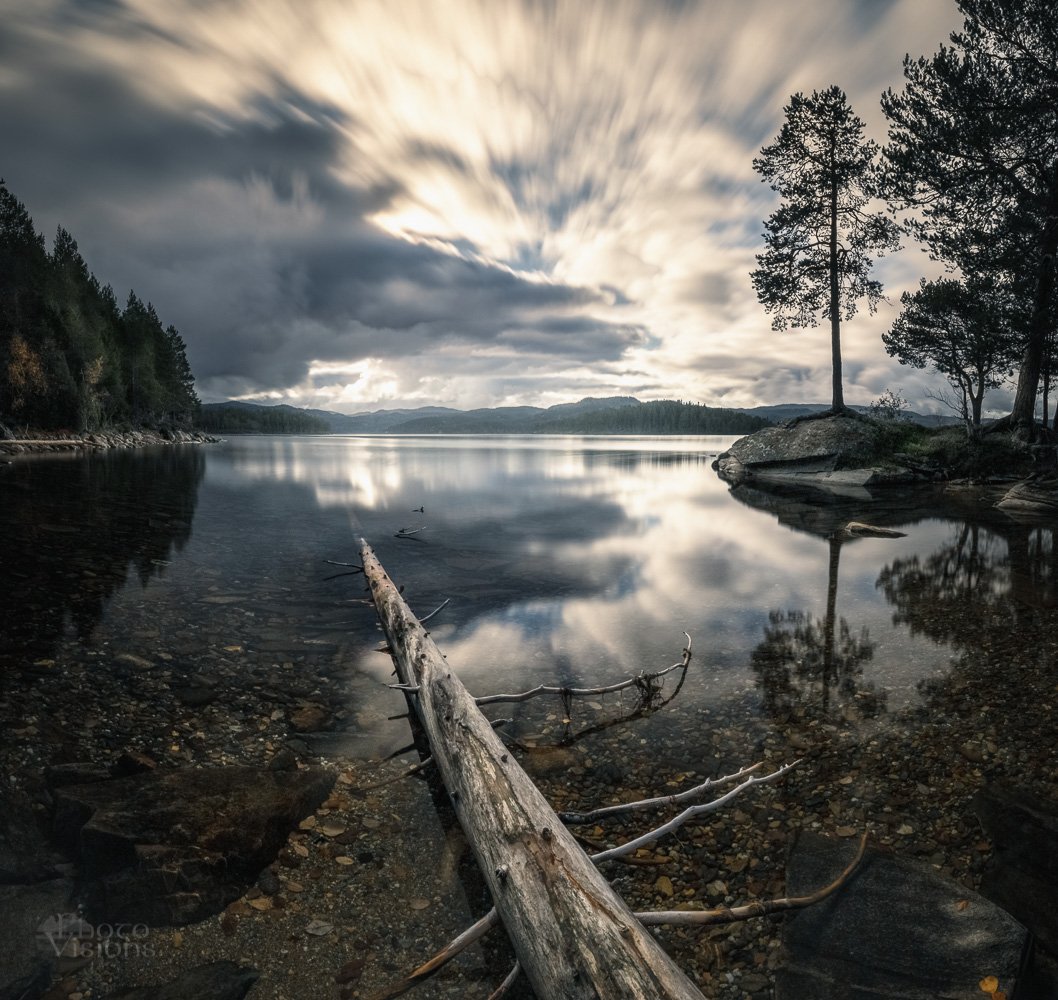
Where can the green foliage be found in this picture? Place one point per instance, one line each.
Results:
(889, 406)
(69, 358)
(231, 418)
(666, 416)
(820, 243)
(974, 149)
(964, 331)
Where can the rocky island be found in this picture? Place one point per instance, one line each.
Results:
(847, 453)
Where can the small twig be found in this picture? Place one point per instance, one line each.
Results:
(435, 610)
(571, 692)
(473, 933)
(415, 769)
(677, 821)
(501, 990)
(758, 908)
(338, 576)
(355, 566)
(659, 802)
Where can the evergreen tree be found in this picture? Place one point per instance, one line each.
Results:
(820, 241)
(965, 331)
(974, 148)
(69, 357)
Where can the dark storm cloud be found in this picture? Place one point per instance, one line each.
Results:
(164, 201)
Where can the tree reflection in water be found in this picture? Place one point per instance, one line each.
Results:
(810, 668)
(72, 530)
(989, 594)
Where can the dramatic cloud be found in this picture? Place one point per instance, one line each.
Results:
(467, 203)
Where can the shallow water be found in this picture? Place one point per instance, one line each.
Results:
(137, 577)
(577, 560)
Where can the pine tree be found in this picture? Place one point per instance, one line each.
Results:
(974, 148)
(820, 242)
(962, 329)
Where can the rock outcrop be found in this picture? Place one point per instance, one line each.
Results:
(173, 847)
(834, 450)
(101, 441)
(1032, 497)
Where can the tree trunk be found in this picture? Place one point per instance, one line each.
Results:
(573, 935)
(975, 402)
(838, 403)
(1023, 413)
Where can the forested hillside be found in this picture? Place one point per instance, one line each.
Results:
(242, 418)
(664, 416)
(71, 357)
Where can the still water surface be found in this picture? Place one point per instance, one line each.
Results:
(913, 669)
(573, 560)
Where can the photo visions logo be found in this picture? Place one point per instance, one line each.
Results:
(69, 935)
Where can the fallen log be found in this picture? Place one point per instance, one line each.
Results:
(573, 935)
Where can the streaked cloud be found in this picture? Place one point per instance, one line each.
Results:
(465, 203)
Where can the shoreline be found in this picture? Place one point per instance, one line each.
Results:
(101, 441)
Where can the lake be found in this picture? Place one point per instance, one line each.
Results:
(180, 601)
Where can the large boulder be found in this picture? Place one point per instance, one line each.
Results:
(895, 931)
(1023, 874)
(815, 448)
(174, 847)
(1034, 498)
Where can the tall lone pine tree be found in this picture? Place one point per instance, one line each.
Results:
(820, 242)
(974, 148)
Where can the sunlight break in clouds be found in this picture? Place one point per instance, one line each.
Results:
(466, 203)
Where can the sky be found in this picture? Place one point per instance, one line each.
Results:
(355, 204)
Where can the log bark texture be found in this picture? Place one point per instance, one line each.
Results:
(574, 936)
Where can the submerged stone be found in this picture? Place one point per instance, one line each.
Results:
(895, 931)
(173, 847)
(1023, 874)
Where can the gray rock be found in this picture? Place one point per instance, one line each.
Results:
(816, 448)
(1031, 497)
(174, 847)
(895, 931)
(26, 956)
(216, 981)
(1023, 874)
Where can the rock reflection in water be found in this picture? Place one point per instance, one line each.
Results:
(72, 530)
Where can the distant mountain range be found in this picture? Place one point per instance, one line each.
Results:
(607, 415)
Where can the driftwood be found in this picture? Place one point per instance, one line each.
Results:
(573, 935)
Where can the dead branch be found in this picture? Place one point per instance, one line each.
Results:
(501, 990)
(475, 932)
(355, 566)
(571, 692)
(690, 813)
(758, 908)
(659, 802)
(435, 610)
(414, 769)
(407, 532)
(565, 921)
